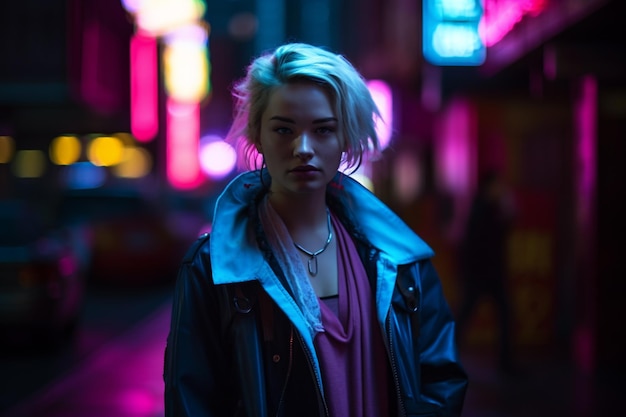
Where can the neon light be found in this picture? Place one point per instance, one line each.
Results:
(451, 32)
(457, 9)
(64, 150)
(132, 6)
(454, 152)
(7, 149)
(137, 163)
(82, 175)
(454, 40)
(161, 16)
(144, 85)
(500, 16)
(183, 135)
(186, 64)
(29, 163)
(586, 116)
(217, 158)
(105, 151)
(382, 95)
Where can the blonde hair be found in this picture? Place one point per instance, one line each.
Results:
(296, 62)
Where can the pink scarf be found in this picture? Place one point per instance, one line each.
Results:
(351, 351)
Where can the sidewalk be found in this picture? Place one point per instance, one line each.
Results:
(121, 379)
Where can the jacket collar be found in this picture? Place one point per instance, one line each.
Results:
(236, 257)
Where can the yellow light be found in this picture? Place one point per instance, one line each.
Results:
(127, 139)
(7, 149)
(29, 164)
(158, 17)
(64, 150)
(186, 71)
(105, 151)
(137, 163)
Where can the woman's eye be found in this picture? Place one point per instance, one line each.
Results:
(325, 130)
(283, 130)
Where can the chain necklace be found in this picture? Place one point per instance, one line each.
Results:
(312, 262)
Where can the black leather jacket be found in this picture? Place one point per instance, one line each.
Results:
(237, 348)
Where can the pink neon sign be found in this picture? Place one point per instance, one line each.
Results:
(144, 119)
(500, 16)
(183, 135)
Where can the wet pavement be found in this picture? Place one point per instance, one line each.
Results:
(123, 378)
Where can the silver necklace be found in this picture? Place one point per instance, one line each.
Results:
(312, 262)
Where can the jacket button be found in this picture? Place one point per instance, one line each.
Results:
(276, 358)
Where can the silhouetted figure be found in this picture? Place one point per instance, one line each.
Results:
(483, 259)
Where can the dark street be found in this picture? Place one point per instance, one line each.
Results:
(493, 129)
(114, 368)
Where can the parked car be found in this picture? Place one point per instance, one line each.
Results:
(131, 239)
(42, 280)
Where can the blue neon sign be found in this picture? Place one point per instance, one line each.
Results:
(450, 32)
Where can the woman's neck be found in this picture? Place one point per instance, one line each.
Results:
(305, 218)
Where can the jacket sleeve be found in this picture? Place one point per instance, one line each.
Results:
(444, 380)
(196, 379)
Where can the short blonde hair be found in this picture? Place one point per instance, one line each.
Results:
(296, 62)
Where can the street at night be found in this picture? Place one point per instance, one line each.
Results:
(114, 368)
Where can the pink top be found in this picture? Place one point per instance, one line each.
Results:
(352, 356)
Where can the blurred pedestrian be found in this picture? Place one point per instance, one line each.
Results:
(310, 297)
(483, 260)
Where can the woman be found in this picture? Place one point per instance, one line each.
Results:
(310, 297)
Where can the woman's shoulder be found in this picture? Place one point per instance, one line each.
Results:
(201, 245)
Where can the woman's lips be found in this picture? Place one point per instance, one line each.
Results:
(307, 168)
(305, 172)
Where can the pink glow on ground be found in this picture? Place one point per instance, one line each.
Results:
(144, 88)
(183, 135)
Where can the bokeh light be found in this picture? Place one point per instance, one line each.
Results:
(7, 149)
(29, 164)
(144, 87)
(105, 151)
(158, 17)
(382, 96)
(83, 175)
(217, 158)
(65, 150)
(136, 163)
(183, 136)
(186, 63)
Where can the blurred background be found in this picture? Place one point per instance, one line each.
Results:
(112, 115)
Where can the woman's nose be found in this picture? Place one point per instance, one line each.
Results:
(303, 148)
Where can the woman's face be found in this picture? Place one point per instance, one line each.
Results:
(300, 139)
